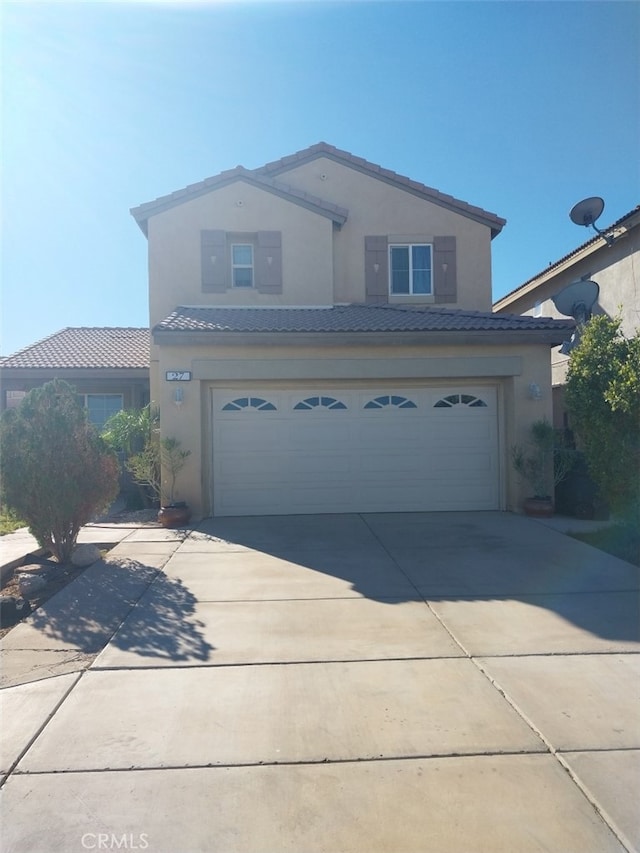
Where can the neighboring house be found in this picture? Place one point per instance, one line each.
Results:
(109, 368)
(323, 341)
(615, 268)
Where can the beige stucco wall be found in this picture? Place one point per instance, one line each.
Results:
(516, 366)
(174, 250)
(322, 264)
(377, 208)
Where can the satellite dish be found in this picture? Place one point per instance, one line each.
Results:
(577, 299)
(586, 212)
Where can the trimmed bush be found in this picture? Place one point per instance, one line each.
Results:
(56, 471)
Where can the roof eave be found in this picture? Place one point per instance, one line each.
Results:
(278, 167)
(74, 372)
(619, 229)
(548, 337)
(143, 212)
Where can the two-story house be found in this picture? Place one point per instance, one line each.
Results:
(323, 341)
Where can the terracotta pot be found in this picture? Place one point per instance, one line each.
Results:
(176, 515)
(538, 507)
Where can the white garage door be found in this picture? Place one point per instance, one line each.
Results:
(306, 451)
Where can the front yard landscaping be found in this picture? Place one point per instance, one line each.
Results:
(620, 540)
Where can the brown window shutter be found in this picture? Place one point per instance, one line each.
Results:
(214, 261)
(444, 269)
(376, 269)
(268, 262)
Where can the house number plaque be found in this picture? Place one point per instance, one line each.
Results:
(178, 375)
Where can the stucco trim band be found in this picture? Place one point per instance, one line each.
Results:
(355, 368)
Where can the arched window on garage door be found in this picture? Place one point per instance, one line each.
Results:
(319, 402)
(460, 400)
(249, 403)
(390, 400)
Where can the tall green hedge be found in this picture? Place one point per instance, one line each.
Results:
(603, 401)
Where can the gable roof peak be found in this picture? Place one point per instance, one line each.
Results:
(324, 149)
(265, 178)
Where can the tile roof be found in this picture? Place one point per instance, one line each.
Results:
(264, 176)
(323, 149)
(86, 347)
(351, 318)
(513, 294)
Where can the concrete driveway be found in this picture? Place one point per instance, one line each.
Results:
(455, 683)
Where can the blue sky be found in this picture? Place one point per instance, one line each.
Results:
(522, 108)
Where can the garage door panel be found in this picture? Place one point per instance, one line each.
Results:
(389, 433)
(468, 464)
(252, 467)
(462, 431)
(314, 436)
(236, 435)
(320, 459)
(389, 462)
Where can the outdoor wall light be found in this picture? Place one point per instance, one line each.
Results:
(534, 392)
(178, 396)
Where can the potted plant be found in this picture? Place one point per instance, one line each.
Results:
(543, 462)
(157, 457)
(172, 513)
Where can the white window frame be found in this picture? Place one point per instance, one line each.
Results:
(410, 247)
(102, 394)
(235, 266)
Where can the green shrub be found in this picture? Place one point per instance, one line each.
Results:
(603, 400)
(57, 473)
(130, 429)
(544, 461)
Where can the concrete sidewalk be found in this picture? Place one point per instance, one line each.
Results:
(411, 682)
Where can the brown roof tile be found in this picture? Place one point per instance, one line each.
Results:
(323, 149)
(351, 318)
(264, 177)
(86, 347)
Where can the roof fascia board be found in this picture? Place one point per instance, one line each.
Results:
(118, 373)
(143, 212)
(595, 244)
(495, 223)
(550, 337)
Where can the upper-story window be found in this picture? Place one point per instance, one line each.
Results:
(410, 269)
(242, 264)
(250, 260)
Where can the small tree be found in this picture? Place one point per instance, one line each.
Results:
(545, 461)
(603, 400)
(158, 456)
(56, 471)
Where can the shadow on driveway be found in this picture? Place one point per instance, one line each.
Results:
(448, 557)
(93, 610)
